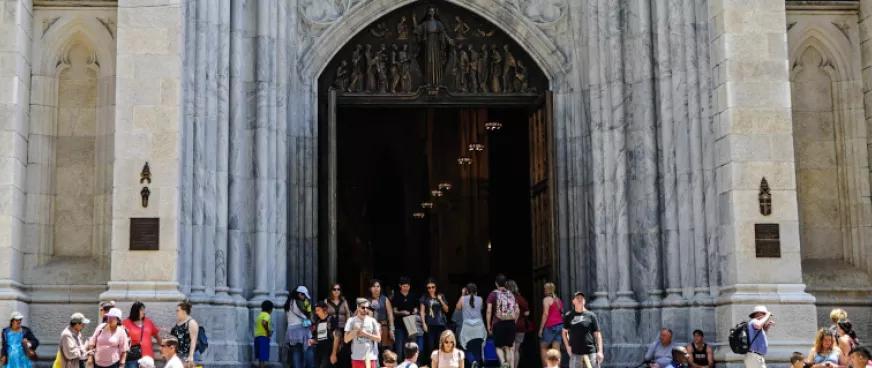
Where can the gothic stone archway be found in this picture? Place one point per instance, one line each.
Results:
(431, 54)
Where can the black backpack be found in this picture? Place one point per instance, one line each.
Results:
(740, 342)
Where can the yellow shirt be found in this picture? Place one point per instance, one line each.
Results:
(258, 324)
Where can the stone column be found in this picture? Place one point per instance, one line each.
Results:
(864, 255)
(15, 38)
(147, 129)
(754, 138)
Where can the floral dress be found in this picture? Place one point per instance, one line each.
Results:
(16, 357)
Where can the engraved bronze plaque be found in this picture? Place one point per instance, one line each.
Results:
(145, 233)
(767, 240)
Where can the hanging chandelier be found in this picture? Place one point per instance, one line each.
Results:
(476, 147)
(444, 186)
(493, 126)
(464, 161)
(418, 215)
(436, 193)
(426, 205)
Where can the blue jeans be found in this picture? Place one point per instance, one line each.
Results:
(302, 356)
(131, 364)
(402, 337)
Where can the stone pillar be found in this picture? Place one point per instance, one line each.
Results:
(147, 129)
(753, 138)
(15, 39)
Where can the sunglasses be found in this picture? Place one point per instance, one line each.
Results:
(337, 289)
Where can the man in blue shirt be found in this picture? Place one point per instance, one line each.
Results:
(761, 321)
(660, 351)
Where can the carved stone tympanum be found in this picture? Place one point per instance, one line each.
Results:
(415, 53)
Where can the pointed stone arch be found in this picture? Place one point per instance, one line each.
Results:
(826, 115)
(542, 49)
(70, 140)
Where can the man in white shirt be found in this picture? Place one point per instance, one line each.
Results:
(168, 349)
(364, 334)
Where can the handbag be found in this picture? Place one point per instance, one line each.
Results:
(31, 353)
(411, 324)
(135, 351)
(58, 362)
(386, 339)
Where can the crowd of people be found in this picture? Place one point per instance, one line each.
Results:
(117, 342)
(833, 347)
(408, 330)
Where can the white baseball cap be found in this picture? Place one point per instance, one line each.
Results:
(17, 315)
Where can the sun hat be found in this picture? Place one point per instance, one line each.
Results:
(114, 312)
(758, 309)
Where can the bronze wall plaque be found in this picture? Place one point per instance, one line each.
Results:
(767, 240)
(145, 233)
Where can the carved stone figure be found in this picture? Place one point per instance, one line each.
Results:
(520, 79)
(460, 28)
(380, 30)
(452, 67)
(403, 29)
(394, 69)
(544, 11)
(370, 68)
(509, 64)
(405, 69)
(381, 68)
(463, 69)
(356, 83)
(483, 61)
(496, 69)
(434, 42)
(472, 72)
(482, 33)
(341, 79)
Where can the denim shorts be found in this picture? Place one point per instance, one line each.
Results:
(551, 335)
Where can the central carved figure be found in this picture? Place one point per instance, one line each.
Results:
(434, 40)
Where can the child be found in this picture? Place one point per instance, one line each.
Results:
(552, 358)
(262, 332)
(797, 360)
(389, 358)
(410, 351)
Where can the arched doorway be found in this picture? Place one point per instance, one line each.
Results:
(434, 155)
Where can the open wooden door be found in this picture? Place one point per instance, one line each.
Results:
(544, 270)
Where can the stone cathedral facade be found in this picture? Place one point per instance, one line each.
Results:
(698, 156)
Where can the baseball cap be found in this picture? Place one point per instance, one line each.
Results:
(579, 293)
(16, 315)
(107, 304)
(79, 318)
(114, 312)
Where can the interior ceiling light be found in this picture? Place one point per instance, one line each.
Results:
(476, 147)
(419, 215)
(426, 204)
(464, 161)
(436, 193)
(444, 186)
(493, 126)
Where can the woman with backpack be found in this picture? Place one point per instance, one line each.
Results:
(110, 342)
(141, 330)
(551, 326)
(186, 331)
(502, 315)
(523, 325)
(298, 308)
